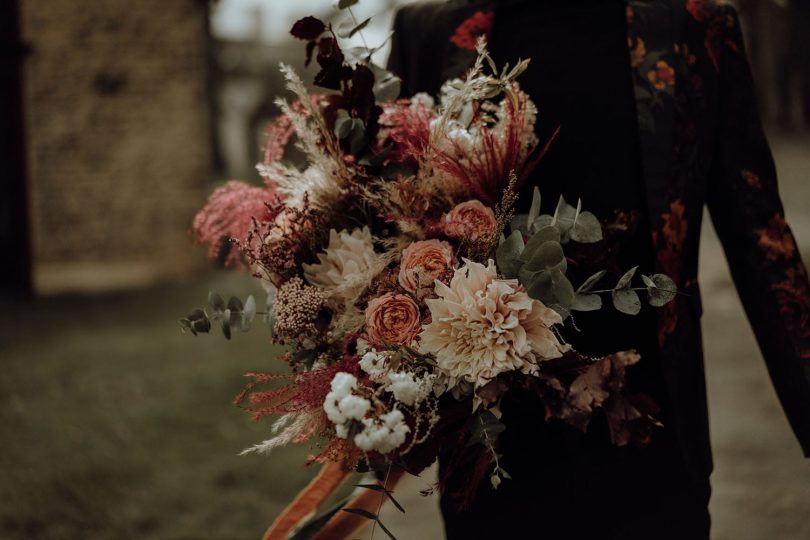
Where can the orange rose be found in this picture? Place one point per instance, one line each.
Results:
(392, 318)
(424, 261)
(469, 220)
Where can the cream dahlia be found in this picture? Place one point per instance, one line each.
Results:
(348, 265)
(482, 326)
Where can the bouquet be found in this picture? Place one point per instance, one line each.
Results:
(408, 294)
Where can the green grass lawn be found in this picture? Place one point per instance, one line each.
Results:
(114, 424)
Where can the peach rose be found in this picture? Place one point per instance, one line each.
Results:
(392, 318)
(469, 220)
(424, 261)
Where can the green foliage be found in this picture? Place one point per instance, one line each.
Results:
(373, 517)
(380, 489)
(345, 4)
(661, 289)
(234, 315)
(540, 263)
(626, 299)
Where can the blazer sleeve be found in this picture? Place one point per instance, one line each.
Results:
(761, 250)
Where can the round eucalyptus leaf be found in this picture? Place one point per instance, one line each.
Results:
(591, 282)
(561, 289)
(661, 289)
(624, 281)
(508, 254)
(586, 229)
(587, 302)
(549, 255)
(627, 301)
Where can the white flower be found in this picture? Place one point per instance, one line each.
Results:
(354, 407)
(482, 326)
(343, 383)
(376, 365)
(423, 99)
(348, 265)
(408, 388)
(383, 435)
(342, 386)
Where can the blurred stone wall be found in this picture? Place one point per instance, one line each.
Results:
(118, 139)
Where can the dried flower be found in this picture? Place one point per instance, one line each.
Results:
(297, 306)
(348, 265)
(383, 435)
(229, 215)
(424, 261)
(482, 326)
(470, 221)
(392, 319)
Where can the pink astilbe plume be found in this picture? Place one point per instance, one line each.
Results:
(407, 124)
(482, 157)
(278, 134)
(305, 391)
(229, 214)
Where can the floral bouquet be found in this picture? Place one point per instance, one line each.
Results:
(409, 295)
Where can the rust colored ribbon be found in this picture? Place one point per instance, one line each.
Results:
(344, 524)
(307, 501)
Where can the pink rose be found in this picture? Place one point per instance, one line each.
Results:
(469, 220)
(392, 318)
(424, 261)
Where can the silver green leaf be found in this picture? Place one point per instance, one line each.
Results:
(624, 281)
(586, 229)
(548, 255)
(347, 28)
(661, 289)
(586, 302)
(546, 234)
(508, 255)
(627, 301)
(534, 210)
(591, 282)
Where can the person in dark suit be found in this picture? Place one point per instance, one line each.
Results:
(657, 116)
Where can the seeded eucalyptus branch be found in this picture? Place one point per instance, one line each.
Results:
(540, 263)
(233, 316)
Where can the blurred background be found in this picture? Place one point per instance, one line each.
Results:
(117, 119)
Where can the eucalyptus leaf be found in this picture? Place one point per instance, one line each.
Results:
(546, 234)
(387, 86)
(538, 284)
(250, 308)
(586, 229)
(627, 301)
(534, 210)
(561, 289)
(343, 4)
(586, 302)
(216, 303)
(591, 282)
(520, 223)
(343, 124)
(549, 255)
(508, 254)
(346, 29)
(624, 281)
(541, 222)
(485, 429)
(661, 289)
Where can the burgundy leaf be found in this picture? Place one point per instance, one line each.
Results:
(308, 28)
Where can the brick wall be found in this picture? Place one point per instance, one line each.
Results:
(118, 139)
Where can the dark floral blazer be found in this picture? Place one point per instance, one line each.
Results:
(702, 145)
